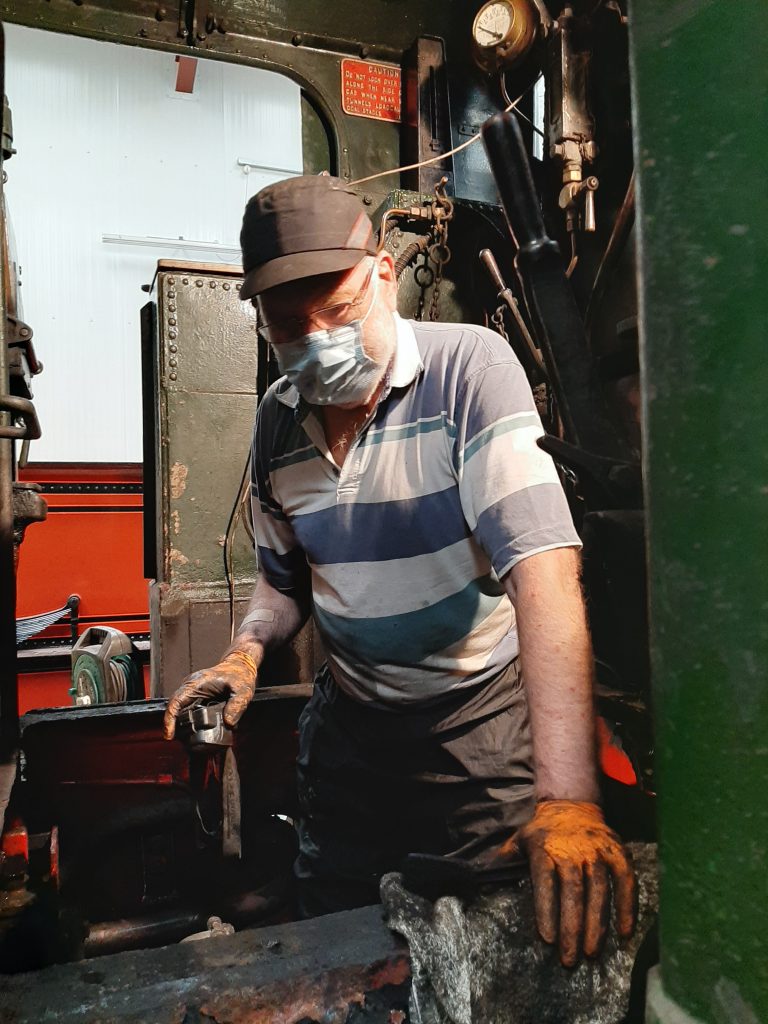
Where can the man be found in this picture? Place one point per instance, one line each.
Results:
(399, 493)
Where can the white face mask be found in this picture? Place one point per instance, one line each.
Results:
(330, 367)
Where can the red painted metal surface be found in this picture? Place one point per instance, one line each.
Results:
(51, 689)
(90, 545)
(370, 90)
(185, 74)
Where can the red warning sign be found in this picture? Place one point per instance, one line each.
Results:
(370, 90)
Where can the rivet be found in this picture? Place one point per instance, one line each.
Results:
(211, 284)
(199, 283)
(171, 335)
(173, 362)
(172, 321)
(226, 286)
(171, 295)
(185, 280)
(171, 307)
(174, 348)
(297, 39)
(171, 280)
(364, 51)
(160, 13)
(367, 200)
(172, 376)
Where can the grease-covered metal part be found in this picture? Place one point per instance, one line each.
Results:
(341, 967)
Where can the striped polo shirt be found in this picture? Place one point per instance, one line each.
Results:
(404, 547)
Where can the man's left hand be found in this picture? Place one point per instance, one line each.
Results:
(570, 848)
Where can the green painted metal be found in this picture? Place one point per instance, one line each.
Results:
(700, 86)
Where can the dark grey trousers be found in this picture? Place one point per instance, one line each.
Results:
(453, 776)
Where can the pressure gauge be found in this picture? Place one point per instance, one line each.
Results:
(503, 32)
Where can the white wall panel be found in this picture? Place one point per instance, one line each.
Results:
(106, 146)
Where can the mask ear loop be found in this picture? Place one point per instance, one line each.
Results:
(375, 291)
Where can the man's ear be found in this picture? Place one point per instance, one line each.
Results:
(387, 277)
(386, 265)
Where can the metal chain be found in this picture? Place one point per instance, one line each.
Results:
(439, 252)
(498, 323)
(424, 276)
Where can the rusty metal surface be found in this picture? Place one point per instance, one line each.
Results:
(331, 969)
(29, 506)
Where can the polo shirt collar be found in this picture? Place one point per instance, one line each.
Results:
(407, 365)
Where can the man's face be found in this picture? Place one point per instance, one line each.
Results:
(298, 308)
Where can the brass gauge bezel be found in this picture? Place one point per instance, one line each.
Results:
(516, 41)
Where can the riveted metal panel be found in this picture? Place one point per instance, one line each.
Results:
(207, 402)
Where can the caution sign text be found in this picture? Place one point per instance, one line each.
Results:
(370, 90)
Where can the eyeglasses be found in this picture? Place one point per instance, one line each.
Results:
(339, 314)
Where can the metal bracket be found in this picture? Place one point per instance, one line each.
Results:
(23, 409)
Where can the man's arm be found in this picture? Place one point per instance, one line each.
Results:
(571, 851)
(556, 658)
(273, 618)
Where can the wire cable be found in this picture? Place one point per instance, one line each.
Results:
(505, 96)
(229, 539)
(441, 156)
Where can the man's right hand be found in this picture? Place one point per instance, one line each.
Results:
(233, 680)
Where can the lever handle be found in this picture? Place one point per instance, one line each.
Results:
(493, 269)
(504, 145)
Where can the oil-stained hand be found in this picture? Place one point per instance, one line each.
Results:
(234, 678)
(572, 856)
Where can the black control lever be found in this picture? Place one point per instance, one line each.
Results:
(605, 483)
(555, 317)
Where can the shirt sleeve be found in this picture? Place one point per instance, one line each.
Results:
(510, 492)
(280, 557)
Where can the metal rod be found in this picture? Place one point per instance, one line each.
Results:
(9, 698)
(625, 218)
(529, 355)
(172, 243)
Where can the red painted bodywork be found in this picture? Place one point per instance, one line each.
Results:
(91, 544)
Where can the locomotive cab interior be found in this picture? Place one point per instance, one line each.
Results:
(502, 150)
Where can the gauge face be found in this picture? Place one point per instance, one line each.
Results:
(492, 23)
